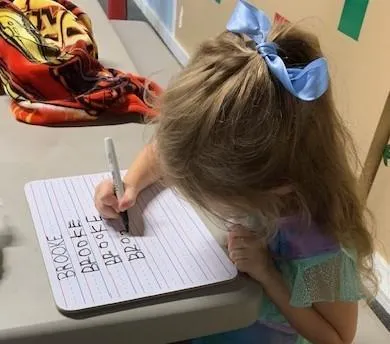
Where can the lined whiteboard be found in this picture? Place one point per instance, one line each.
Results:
(92, 262)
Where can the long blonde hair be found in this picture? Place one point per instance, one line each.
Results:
(229, 133)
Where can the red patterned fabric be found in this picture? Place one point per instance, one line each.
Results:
(49, 67)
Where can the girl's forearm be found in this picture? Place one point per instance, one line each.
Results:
(145, 169)
(306, 321)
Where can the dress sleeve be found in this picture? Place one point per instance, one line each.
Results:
(324, 278)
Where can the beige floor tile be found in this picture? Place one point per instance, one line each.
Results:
(370, 329)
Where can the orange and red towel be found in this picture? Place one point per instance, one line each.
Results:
(49, 67)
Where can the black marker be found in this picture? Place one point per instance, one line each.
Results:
(116, 176)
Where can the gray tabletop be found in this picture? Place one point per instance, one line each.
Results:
(28, 313)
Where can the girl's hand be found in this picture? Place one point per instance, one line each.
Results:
(106, 202)
(249, 253)
(142, 173)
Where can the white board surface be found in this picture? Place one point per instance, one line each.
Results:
(92, 262)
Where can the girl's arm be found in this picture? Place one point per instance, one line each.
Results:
(145, 169)
(323, 323)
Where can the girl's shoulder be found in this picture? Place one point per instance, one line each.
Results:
(316, 266)
(295, 239)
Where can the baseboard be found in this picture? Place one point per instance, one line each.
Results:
(168, 37)
(382, 268)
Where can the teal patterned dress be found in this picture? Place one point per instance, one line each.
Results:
(316, 269)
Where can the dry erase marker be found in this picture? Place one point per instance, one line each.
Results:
(116, 175)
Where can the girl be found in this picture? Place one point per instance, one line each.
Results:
(249, 131)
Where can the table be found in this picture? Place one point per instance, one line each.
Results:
(28, 313)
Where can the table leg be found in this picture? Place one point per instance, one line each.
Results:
(117, 9)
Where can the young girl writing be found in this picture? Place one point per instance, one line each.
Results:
(249, 131)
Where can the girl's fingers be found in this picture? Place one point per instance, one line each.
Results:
(110, 200)
(105, 188)
(128, 199)
(239, 231)
(105, 196)
(238, 255)
(239, 243)
(107, 212)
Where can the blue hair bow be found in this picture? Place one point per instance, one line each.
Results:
(308, 83)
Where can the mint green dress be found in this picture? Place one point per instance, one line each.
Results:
(315, 268)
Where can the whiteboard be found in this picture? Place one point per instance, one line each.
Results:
(92, 262)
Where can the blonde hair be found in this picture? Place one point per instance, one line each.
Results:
(229, 133)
